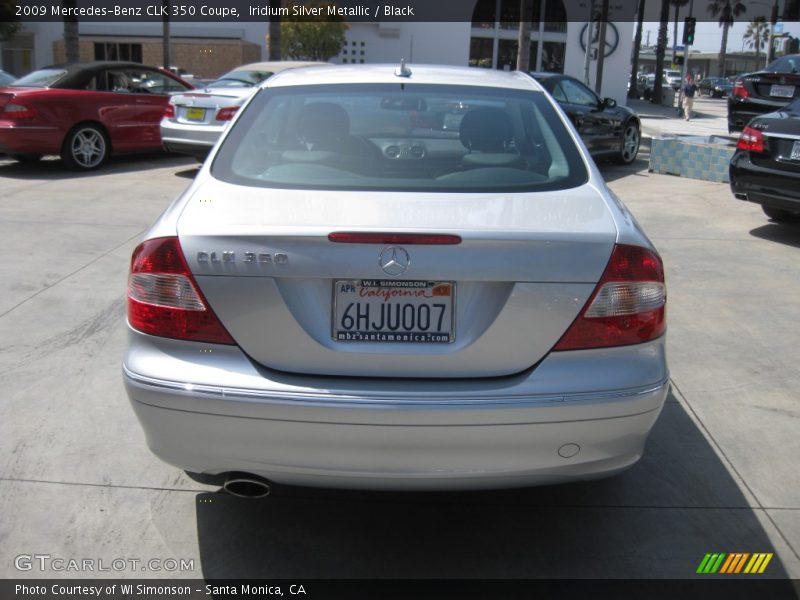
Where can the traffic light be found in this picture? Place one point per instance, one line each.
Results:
(688, 30)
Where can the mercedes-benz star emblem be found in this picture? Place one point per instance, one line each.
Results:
(394, 261)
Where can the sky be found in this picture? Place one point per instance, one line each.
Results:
(708, 36)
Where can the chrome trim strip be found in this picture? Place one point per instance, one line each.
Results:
(788, 136)
(43, 127)
(329, 399)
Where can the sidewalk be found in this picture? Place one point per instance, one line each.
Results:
(708, 118)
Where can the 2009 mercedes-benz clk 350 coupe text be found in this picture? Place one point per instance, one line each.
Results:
(398, 278)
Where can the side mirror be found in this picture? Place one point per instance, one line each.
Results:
(609, 103)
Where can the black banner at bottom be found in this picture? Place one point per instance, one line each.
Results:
(710, 588)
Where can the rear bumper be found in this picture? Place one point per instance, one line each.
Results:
(362, 433)
(771, 187)
(741, 111)
(193, 149)
(196, 140)
(16, 139)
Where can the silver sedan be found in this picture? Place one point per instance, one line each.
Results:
(193, 122)
(397, 278)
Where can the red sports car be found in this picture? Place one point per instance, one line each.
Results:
(85, 111)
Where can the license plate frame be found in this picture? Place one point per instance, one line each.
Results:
(194, 113)
(795, 153)
(351, 304)
(781, 91)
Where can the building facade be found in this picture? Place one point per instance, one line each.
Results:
(484, 33)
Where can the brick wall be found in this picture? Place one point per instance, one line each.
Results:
(203, 58)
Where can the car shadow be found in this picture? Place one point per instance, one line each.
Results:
(51, 168)
(612, 171)
(189, 173)
(782, 233)
(656, 520)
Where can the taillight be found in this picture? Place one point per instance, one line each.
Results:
(739, 91)
(751, 140)
(18, 111)
(226, 114)
(169, 111)
(627, 306)
(163, 297)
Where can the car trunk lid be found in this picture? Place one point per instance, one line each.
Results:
(203, 107)
(525, 267)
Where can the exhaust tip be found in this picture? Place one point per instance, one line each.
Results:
(245, 485)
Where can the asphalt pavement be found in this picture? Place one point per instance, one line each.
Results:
(77, 480)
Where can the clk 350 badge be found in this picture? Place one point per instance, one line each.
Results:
(263, 258)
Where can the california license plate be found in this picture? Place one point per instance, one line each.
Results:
(196, 114)
(391, 311)
(782, 91)
(795, 155)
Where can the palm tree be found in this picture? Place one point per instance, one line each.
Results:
(274, 31)
(166, 35)
(71, 35)
(726, 10)
(637, 43)
(524, 37)
(661, 49)
(757, 35)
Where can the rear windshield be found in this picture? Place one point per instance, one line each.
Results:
(785, 64)
(400, 137)
(241, 79)
(42, 78)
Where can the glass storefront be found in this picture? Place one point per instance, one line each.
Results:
(495, 24)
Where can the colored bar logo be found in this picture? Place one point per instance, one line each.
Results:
(735, 563)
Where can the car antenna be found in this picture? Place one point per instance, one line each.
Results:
(402, 70)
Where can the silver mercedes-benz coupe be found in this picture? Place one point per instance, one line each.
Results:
(193, 121)
(397, 278)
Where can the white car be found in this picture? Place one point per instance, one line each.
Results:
(397, 278)
(672, 79)
(193, 122)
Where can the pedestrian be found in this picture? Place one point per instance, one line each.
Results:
(689, 90)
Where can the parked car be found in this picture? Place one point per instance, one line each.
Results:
(646, 85)
(765, 168)
(397, 278)
(716, 87)
(192, 123)
(5, 78)
(607, 129)
(672, 78)
(85, 111)
(764, 91)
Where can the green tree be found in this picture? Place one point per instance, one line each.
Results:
(727, 11)
(757, 35)
(312, 38)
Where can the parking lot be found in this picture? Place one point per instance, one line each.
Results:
(77, 480)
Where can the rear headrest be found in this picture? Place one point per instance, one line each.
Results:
(323, 123)
(486, 129)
